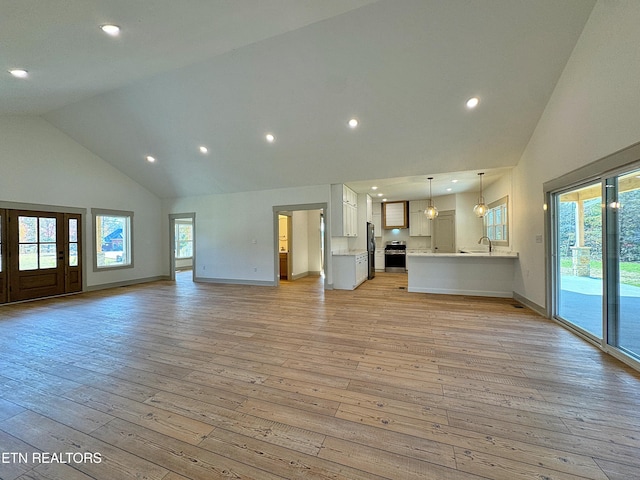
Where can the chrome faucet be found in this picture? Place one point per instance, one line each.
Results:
(488, 239)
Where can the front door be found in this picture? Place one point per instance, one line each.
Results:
(44, 254)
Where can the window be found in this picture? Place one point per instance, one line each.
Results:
(37, 243)
(73, 242)
(184, 239)
(112, 239)
(496, 222)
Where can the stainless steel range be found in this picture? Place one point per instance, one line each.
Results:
(395, 257)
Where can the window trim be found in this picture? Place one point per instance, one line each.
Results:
(100, 212)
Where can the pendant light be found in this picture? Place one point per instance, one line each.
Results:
(480, 209)
(431, 211)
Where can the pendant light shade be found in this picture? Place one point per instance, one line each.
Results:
(431, 211)
(480, 209)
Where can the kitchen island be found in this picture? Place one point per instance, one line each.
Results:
(480, 274)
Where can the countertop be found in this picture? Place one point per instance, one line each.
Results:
(467, 255)
(342, 253)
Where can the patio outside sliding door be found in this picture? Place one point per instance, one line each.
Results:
(578, 258)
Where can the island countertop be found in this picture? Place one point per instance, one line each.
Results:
(467, 255)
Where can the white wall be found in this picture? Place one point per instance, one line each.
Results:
(184, 263)
(594, 111)
(315, 241)
(469, 228)
(40, 165)
(227, 226)
(300, 243)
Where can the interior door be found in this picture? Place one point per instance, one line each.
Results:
(36, 254)
(444, 234)
(3, 256)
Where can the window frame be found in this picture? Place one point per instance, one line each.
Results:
(493, 206)
(128, 240)
(178, 224)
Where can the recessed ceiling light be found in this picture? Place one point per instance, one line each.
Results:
(353, 123)
(448, 189)
(454, 181)
(150, 159)
(380, 194)
(19, 72)
(111, 30)
(269, 137)
(384, 199)
(203, 149)
(473, 102)
(374, 188)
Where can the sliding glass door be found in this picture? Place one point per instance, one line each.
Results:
(579, 255)
(596, 259)
(623, 244)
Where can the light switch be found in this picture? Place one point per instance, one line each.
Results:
(538, 238)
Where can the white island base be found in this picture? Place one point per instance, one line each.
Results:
(485, 275)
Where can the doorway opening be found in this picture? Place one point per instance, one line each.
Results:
(300, 243)
(182, 232)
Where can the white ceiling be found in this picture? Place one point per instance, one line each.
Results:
(186, 73)
(416, 187)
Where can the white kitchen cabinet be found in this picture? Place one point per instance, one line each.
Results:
(379, 260)
(344, 211)
(369, 203)
(377, 219)
(350, 270)
(419, 224)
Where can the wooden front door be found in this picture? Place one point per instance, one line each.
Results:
(44, 252)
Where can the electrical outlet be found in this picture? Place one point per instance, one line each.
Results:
(255, 269)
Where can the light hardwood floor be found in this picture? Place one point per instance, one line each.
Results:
(179, 380)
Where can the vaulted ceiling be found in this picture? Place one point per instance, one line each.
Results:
(224, 73)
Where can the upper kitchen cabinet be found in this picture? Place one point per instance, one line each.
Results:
(344, 211)
(395, 215)
(377, 219)
(419, 224)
